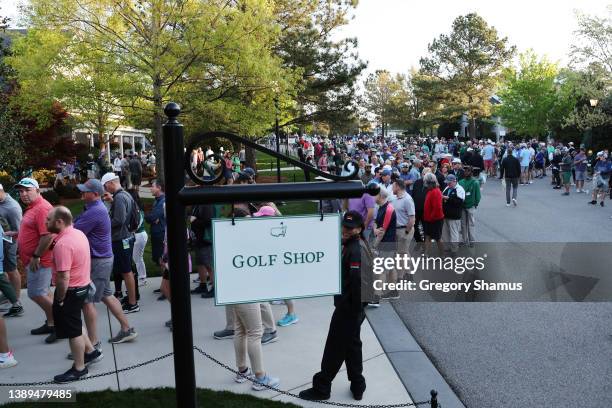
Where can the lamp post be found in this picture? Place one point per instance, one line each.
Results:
(278, 171)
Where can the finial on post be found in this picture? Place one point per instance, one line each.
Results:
(434, 399)
(172, 111)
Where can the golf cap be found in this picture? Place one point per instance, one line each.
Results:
(352, 219)
(386, 173)
(450, 177)
(249, 171)
(108, 177)
(91, 186)
(265, 211)
(600, 154)
(404, 165)
(27, 182)
(1, 187)
(457, 160)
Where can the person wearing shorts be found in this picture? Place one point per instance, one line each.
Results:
(580, 165)
(566, 170)
(122, 204)
(11, 215)
(94, 222)
(33, 241)
(71, 266)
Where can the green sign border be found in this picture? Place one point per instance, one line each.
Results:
(315, 217)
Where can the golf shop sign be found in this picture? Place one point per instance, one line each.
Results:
(261, 259)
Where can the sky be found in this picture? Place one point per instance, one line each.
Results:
(393, 34)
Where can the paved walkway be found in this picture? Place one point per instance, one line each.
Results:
(508, 355)
(295, 357)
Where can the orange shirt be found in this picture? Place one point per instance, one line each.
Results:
(71, 253)
(33, 226)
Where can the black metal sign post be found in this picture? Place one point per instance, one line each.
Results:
(180, 304)
(177, 163)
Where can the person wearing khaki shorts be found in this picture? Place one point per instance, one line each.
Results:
(405, 213)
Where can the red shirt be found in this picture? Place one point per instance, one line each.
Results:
(71, 253)
(432, 211)
(33, 226)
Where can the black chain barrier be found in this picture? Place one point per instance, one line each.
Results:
(433, 402)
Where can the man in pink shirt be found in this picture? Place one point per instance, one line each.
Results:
(33, 241)
(71, 274)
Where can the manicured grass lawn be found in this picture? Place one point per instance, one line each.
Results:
(157, 398)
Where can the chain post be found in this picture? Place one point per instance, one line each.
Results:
(434, 399)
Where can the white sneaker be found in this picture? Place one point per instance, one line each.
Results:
(8, 361)
(507, 205)
(142, 282)
(243, 377)
(514, 202)
(261, 384)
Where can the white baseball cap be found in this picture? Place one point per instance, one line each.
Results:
(108, 177)
(27, 182)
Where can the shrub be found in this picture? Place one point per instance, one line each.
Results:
(44, 176)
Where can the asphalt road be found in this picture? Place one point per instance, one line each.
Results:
(524, 354)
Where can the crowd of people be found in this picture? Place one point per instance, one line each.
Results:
(430, 190)
(130, 167)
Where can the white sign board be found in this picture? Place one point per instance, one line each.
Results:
(266, 258)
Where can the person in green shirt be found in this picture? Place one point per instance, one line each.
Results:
(236, 162)
(472, 199)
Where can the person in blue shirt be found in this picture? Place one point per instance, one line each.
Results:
(601, 178)
(157, 219)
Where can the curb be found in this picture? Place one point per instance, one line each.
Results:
(411, 364)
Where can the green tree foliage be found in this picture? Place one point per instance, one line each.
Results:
(534, 101)
(328, 68)
(11, 132)
(592, 81)
(465, 66)
(593, 41)
(385, 97)
(197, 52)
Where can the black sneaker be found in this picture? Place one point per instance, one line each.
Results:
(124, 300)
(93, 357)
(593, 202)
(161, 297)
(44, 329)
(14, 311)
(209, 294)
(71, 375)
(313, 395)
(128, 308)
(51, 338)
(157, 291)
(199, 290)
(601, 203)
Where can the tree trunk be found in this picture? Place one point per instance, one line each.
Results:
(158, 110)
(250, 157)
(473, 128)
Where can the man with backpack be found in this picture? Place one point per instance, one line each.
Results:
(125, 218)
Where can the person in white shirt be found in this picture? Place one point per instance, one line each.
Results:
(117, 165)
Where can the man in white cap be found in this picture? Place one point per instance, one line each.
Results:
(122, 238)
(33, 241)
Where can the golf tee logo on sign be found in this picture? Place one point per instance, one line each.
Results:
(261, 259)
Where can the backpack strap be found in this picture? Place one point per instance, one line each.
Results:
(387, 218)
